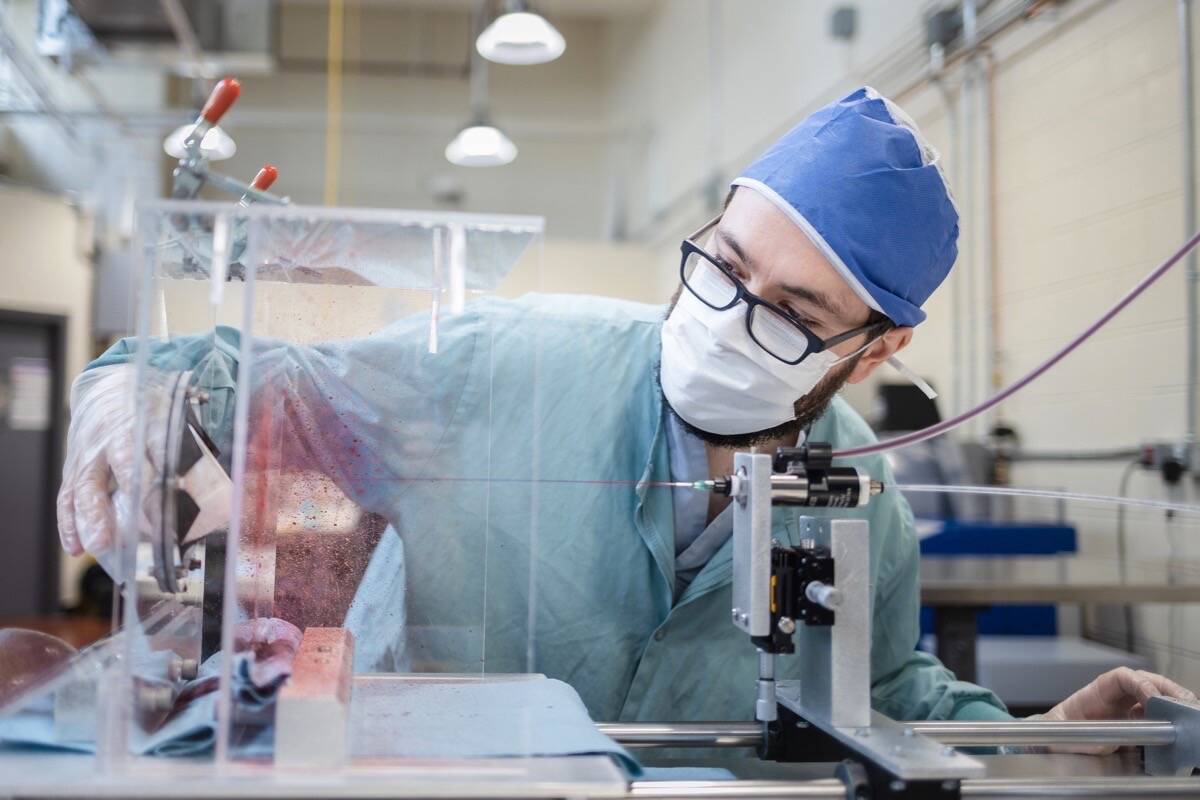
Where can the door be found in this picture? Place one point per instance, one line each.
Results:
(31, 375)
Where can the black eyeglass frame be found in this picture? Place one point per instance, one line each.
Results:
(815, 343)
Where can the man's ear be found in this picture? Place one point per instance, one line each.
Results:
(880, 351)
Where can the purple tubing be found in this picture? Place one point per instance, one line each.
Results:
(1019, 384)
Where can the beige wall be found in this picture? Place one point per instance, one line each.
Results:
(573, 266)
(1088, 198)
(43, 265)
(43, 269)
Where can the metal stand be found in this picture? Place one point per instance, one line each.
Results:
(819, 592)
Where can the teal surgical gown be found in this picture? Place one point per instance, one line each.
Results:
(516, 464)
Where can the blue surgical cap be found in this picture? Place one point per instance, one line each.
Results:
(862, 184)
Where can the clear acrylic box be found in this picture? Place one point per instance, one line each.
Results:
(296, 372)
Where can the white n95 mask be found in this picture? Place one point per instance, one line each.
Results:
(719, 380)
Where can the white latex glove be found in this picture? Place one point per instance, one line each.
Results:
(99, 456)
(1118, 694)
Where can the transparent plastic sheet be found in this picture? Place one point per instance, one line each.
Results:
(313, 487)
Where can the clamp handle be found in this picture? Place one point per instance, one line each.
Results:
(224, 95)
(265, 177)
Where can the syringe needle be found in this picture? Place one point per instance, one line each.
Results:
(700, 486)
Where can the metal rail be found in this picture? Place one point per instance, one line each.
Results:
(1115, 788)
(664, 790)
(1042, 732)
(957, 592)
(1030, 733)
(1112, 788)
(683, 734)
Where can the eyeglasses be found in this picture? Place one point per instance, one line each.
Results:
(771, 328)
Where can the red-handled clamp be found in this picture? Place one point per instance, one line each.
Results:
(193, 171)
(224, 95)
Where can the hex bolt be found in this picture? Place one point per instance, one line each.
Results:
(786, 625)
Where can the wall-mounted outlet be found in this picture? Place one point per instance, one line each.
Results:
(1172, 459)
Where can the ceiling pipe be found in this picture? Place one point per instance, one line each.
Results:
(33, 79)
(189, 42)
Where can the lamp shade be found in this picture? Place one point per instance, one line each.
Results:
(480, 145)
(217, 145)
(520, 37)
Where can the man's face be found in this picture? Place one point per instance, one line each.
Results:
(775, 260)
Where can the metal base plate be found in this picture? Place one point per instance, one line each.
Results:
(888, 744)
(1181, 757)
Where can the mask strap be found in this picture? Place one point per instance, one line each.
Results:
(912, 377)
(849, 356)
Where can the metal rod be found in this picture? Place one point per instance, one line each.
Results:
(185, 34)
(1022, 732)
(33, 79)
(684, 734)
(1192, 281)
(1112, 454)
(1092, 788)
(1110, 788)
(1041, 732)
(661, 790)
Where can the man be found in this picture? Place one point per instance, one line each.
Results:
(521, 465)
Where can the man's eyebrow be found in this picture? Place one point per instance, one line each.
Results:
(733, 245)
(818, 299)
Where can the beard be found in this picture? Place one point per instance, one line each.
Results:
(808, 408)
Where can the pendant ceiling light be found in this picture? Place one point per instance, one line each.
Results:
(520, 36)
(217, 145)
(480, 143)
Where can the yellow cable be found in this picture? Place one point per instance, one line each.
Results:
(333, 102)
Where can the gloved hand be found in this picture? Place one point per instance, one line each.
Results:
(1118, 694)
(99, 455)
(272, 643)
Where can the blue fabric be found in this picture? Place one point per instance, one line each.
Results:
(190, 730)
(560, 388)
(961, 538)
(521, 718)
(856, 178)
(687, 774)
(517, 718)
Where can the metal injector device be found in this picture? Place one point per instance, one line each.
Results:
(805, 476)
(811, 597)
(799, 581)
